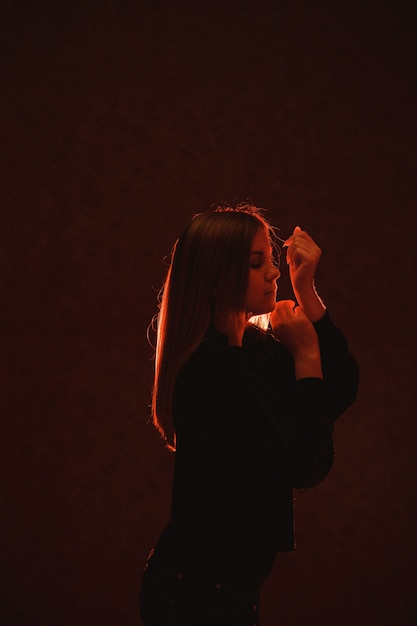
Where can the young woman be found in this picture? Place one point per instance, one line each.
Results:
(246, 392)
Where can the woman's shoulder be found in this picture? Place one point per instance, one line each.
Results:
(211, 369)
(213, 351)
(216, 345)
(212, 362)
(215, 357)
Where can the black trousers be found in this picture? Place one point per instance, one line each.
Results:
(170, 599)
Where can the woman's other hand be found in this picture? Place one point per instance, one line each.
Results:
(296, 332)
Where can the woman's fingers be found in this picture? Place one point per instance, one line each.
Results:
(303, 255)
(301, 247)
(284, 309)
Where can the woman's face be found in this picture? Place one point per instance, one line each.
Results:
(263, 275)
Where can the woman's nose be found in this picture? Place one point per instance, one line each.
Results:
(274, 274)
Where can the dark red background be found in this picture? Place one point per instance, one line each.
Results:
(119, 121)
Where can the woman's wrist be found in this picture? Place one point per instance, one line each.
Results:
(308, 366)
(311, 303)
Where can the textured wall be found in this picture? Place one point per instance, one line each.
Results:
(119, 121)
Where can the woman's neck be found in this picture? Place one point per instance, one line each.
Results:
(232, 328)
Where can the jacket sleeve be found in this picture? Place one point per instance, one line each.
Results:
(303, 432)
(305, 409)
(317, 404)
(340, 369)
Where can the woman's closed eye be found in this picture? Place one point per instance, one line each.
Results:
(257, 263)
(257, 259)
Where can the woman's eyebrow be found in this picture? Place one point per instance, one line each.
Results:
(261, 252)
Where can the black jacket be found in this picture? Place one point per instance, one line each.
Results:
(247, 434)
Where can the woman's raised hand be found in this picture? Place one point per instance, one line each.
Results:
(303, 255)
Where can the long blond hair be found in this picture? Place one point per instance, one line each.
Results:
(208, 273)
